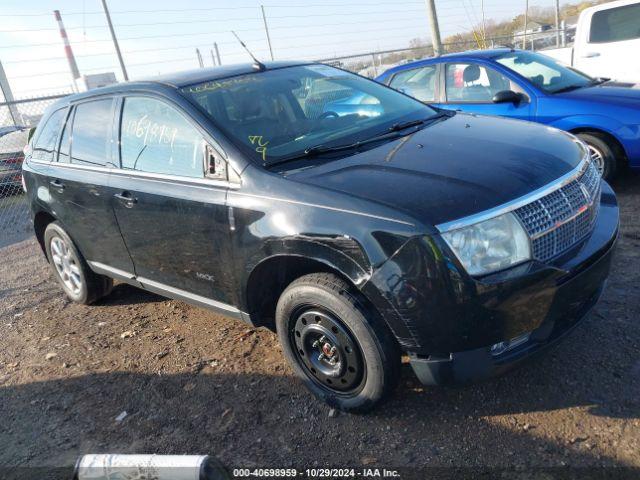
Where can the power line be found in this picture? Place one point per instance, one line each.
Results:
(218, 20)
(183, 10)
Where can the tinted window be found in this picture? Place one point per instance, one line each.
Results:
(420, 83)
(474, 83)
(616, 24)
(279, 114)
(156, 138)
(92, 133)
(45, 145)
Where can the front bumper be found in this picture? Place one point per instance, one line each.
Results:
(575, 299)
(451, 320)
(555, 312)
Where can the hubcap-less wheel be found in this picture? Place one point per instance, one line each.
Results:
(597, 158)
(66, 264)
(328, 351)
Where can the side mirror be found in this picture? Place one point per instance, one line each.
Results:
(508, 96)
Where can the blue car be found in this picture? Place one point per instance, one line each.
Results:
(530, 86)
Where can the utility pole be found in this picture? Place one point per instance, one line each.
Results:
(73, 66)
(526, 22)
(5, 88)
(200, 62)
(115, 40)
(215, 47)
(557, 23)
(435, 28)
(266, 29)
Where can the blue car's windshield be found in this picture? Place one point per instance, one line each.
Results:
(544, 72)
(278, 114)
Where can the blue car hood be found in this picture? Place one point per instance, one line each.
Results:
(454, 168)
(626, 94)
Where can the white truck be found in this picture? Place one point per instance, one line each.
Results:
(607, 42)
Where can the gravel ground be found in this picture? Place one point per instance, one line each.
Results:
(194, 382)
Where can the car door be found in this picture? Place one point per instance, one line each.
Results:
(607, 48)
(78, 183)
(173, 218)
(471, 87)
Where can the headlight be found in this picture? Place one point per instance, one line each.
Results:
(489, 246)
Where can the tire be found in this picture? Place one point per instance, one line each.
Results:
(78, 281)
(602, 153)
(322, 307)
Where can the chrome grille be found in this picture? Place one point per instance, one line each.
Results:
(559, 220)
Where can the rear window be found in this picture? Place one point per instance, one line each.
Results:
(616, 24)
(419, 83)
(45, 144)
(90, 140)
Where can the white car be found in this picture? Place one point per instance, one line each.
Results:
(607, 42)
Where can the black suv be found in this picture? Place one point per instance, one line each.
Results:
(355, 221)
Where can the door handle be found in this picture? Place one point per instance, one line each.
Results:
(127, 199)
(58, 185)
(591, 55)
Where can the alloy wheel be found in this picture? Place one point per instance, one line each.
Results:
(328, 351)
(597, 158)
(66, 264)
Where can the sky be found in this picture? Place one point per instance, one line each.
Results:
(160, 36)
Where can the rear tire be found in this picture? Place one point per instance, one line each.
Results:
(602, 154)
(79, 282)
(321, 319)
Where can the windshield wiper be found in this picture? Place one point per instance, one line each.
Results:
(397, 127)
(393, 132)
(321, 149)
(592, 83)
(598, 81)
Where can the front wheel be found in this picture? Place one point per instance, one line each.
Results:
(340, 349)
(602, 155)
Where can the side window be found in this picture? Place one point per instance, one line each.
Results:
(156, 138)
(474, 83)
(615, 24)
(420, 83)
(91, 138)
(45, 145)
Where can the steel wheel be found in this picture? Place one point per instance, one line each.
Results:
(66, 264)
(328, 351)
(597, 157)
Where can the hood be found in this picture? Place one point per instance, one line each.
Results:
(457, 167)
(619, 93)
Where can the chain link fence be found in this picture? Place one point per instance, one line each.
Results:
(16, 119)
(373, 64)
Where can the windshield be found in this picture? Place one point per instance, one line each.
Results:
(281, 113)
(544, 72)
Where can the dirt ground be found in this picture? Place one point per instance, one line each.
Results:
(194, 382)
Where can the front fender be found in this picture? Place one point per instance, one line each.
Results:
(628, 135)
(597, 122)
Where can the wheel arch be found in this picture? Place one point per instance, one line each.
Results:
(269, 278)
(40, 222)
(608, 137)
